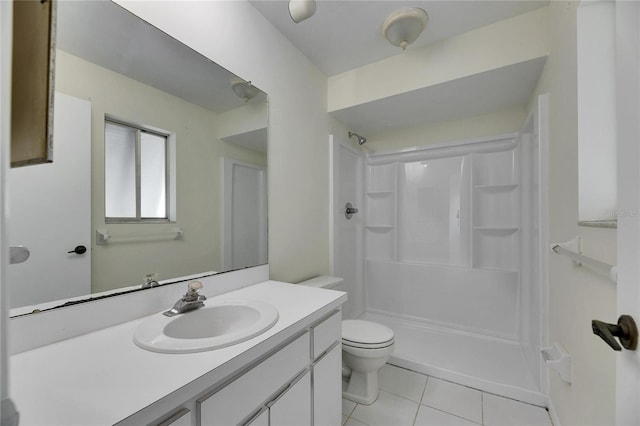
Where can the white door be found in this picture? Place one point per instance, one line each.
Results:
(245, 214)
(347, 257)
(628, 113)
(50, 213)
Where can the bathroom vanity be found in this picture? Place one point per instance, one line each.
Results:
(290, 374)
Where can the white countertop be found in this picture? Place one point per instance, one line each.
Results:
(102, 377)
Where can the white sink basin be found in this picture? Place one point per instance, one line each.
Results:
(217, 325)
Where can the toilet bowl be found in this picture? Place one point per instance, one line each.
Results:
(366, 347)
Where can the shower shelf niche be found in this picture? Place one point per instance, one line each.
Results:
(497, 229)
(496, 212)
(379, 193)
(488, 222)
(497, 188)
(380, 211)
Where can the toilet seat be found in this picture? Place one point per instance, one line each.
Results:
(366, 334)
(358, 345)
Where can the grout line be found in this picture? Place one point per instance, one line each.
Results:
(415, 418)
(403, 396)
(514, 399)
(425, 389)
(482, 406)
(451, 414)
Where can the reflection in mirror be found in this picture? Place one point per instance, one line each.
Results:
(189, 137)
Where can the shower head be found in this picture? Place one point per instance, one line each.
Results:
(361, 139)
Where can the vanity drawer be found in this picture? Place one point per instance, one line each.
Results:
(326, 333)
(233, 403)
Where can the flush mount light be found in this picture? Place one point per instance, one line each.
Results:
(301, 9)
(244, 89)
(404, 26)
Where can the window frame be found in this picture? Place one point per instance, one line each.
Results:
(139, 129)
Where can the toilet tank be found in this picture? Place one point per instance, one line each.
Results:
(325, 281)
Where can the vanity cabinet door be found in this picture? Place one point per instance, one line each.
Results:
(327, 388)
(293, 407)
(326, 333)
(232, 404)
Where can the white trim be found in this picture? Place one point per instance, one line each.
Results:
(628, 236)
(332, 203)
(554, 415)
(542, 126)
(6, 31)
(490, 143)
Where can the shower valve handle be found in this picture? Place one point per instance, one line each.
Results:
(349, 210)
(625, 330)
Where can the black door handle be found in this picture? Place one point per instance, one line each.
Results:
(79, 250)
(626, 330)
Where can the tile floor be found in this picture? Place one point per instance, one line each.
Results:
(408, 398)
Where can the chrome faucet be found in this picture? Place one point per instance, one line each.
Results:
(189, 302)
(150, 280)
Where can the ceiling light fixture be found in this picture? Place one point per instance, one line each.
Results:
(301, 9)
(404, 26)
(244, 89)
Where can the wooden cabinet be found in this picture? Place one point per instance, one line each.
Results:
(32, 82)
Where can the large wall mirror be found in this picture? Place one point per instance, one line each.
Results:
(597, 161)
(159, 168)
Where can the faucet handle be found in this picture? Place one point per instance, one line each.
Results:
(193, 287)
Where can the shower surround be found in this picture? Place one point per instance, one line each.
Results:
(452, 260)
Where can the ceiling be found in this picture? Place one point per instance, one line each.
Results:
(347, 34)
(340, 36)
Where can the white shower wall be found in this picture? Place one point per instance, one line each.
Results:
(452, 256)
(442, 236)
(483, 302)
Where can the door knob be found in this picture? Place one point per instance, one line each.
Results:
(78, 250)
(626, 331)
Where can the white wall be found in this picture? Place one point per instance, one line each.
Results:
(575, 295)
(238, 37)
(504, 43)
(487, 125)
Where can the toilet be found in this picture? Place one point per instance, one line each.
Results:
(366, 347)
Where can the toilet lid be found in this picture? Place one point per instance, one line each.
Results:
(365, 332)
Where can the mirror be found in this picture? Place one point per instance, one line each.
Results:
(597, 161)
(212, 126)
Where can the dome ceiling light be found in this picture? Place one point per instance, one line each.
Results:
(301, 9)
(404, 26)
(244, 89)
